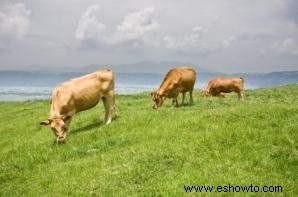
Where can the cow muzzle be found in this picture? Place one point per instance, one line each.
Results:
(60, 139)
(154, 106)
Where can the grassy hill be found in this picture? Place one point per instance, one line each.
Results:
(146, 152)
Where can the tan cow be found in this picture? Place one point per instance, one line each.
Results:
(180, 79)
(221, 85)
(80, 94)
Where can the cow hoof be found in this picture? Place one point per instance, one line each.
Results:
(58, 142)
(61, 142)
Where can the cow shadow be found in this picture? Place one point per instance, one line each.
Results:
(92, 125)
(186, 105)
(87, 127)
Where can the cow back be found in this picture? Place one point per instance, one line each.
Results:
(181, 79)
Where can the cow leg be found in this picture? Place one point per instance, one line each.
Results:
(190, 97)
(183, 98)
(219, 95)
(67, 120)
(222, 94)
(175, 102)
(108, 102)
(241, 95)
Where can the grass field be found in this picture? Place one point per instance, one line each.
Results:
(146, 152)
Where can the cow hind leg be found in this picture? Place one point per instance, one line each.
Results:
(241, 95)
(108, 102)
(190, 97)
(222, 94)
(175, 102)
(183, 98)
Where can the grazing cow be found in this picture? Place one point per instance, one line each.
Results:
(221, 85)
(180, 79)
(80, 94)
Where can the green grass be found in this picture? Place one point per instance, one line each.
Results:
(146, 152)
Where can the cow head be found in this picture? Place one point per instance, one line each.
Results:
(205, 92)
(157, 99)
(59, 126)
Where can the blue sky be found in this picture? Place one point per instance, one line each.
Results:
(219, 35)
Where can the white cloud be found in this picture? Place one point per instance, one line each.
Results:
(288, 46)
(52, 44)
(136, 26)
(170, 42)
(229, 41)
(89, 27)
(217, 32)
(200, 41)
(196, 41)
(192, 40)
(197, 33)
(14, 22)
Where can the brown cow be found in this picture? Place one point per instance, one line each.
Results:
(180, 79)
(80, 94)
(221, 85)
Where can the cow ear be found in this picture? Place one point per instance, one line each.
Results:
(45, 122)
(66, 118)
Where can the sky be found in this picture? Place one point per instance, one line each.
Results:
(219, 35)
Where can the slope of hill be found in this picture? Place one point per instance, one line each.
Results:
(50, 79)
(146, 152)
(143, 67)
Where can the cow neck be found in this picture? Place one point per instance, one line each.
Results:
(54, 111)
(55, 116)
(164, 88)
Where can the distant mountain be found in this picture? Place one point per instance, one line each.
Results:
(255, 80)
(36, 78)
(142, 67)
(51, 79)
(271, 79)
